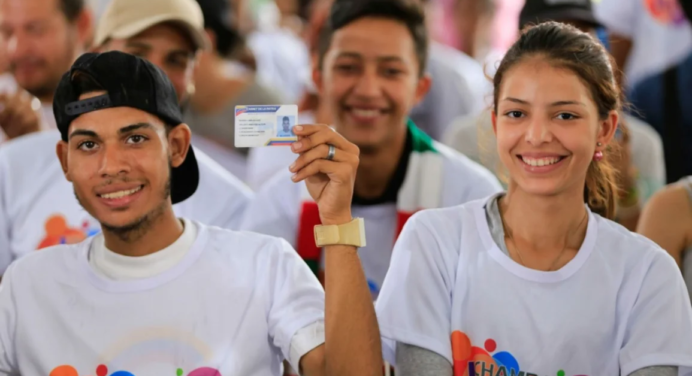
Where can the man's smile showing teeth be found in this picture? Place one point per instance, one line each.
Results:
(365, 113)
(539, 162)
(120, 194)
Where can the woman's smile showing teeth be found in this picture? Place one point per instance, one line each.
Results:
(541, 164)
(537, 162)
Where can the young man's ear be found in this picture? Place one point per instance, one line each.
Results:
(493, 118)
(61, 151)
(423, 87)
(85, 27)
(210, 39)
(179, 144)
(317, 75)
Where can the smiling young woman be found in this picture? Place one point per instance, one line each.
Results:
(539, 280)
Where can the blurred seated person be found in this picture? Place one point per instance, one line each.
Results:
(663, 100)
(667, 220)
(642, 169)
(646, 36)
(219, 87)
(283, 59)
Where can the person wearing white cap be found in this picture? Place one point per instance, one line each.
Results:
(37, 205)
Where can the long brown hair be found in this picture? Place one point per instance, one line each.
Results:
(567, 47)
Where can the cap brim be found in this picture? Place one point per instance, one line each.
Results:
(134, 28)
(561, 15)
(185, 178)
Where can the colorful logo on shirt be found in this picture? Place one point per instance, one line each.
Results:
(665, 11)
(102, 370)
(161, 350)
(59, 232)
(471, 360)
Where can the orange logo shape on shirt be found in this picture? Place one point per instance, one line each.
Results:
(665, 11)
(58, 232)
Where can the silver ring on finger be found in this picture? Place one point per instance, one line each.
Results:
(331, 153)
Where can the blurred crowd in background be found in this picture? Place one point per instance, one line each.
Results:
(266, 51)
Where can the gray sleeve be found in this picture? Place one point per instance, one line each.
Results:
(416, 361)
(656, 371)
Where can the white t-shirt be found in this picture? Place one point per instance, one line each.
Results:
(38, 207)
(660, 33)
(619, 305)
(232, 304)
(473, 136)
(276, 210)
(119, 267)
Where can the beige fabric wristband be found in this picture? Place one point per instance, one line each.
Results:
(351, 233)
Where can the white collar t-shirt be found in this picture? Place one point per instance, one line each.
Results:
(619, 305)
(231, 305)
(121, 268)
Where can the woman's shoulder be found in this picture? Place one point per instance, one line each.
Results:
(445, 226)
(616, 240)
(451, 215)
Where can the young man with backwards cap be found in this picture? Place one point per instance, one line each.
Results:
(157, 295)
(37, 205)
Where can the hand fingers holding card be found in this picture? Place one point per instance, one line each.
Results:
(321, 153)
(328, 165)
(312, 135)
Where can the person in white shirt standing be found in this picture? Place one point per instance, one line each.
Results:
(37, 206)
(159, 295)
(537, 281)
(371, 72)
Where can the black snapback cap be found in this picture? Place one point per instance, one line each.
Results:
(538, 11)
(686, 6)
(129, 81)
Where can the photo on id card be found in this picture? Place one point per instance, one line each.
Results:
(257, 126)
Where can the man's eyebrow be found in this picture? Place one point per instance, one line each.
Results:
(184, 53)
(390, 59)
(138, 44)
(352, 55)
(135, 127)
(83, 132)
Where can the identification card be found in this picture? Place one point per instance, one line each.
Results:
(265, 125)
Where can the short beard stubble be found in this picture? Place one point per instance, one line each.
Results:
(136, 229)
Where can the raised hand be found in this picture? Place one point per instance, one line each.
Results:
(329, 181)
(19, 114)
